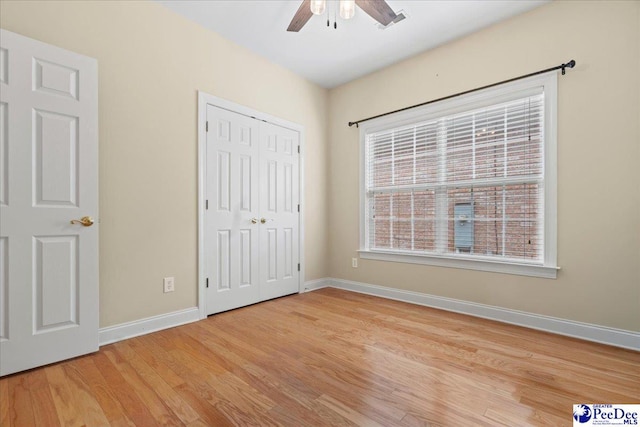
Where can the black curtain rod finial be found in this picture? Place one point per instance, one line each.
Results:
(562, 67)
(569, 64)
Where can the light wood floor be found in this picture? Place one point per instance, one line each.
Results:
(327, 357)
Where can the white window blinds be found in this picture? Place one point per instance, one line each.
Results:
(469, 184)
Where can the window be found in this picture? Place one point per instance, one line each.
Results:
(467, 182)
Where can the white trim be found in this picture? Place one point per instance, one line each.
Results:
(314, 285)
(464, 262)
(136, 328)
(586, 331)
(302, 205)
(202, 179)
(205, 99)
(551, 171)
(503, 93)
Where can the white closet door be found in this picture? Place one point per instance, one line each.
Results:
(48, 177)
(232, 237)
(251, 222)
(279, 198)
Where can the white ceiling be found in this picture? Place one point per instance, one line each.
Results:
(331, 57)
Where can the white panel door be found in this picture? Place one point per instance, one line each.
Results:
(232, 210)
(48, 177)
(279, 198)
(251, 216)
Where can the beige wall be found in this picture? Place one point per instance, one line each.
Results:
(599, 155)
(151, 63)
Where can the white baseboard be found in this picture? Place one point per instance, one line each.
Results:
(313, 285)
(136, 328)
(585, 331)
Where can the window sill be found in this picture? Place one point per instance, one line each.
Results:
(454, 261)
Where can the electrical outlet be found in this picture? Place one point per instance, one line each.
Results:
(354, 262)
(169, 284)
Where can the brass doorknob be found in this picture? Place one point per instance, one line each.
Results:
(87, 221)
(263, 220)
(254, 220)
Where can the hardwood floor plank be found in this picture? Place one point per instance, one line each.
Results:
(142, 347)
(153, 402)
(297, 403)
(161, 354)
(411, 420)
(247, 399)
(64, 397)
(513, 414)
(196, 352)
(179, 407)
(262, 380)
(20, 404)
(209, 415)
(267, 367)
(134, 409)
(440, 413)
(4, 403)
(195, 378)
(231, 397)
(92, 412)
(347, 412)
(328, 357)
(103, 393)
(241, 418)
(44, 412)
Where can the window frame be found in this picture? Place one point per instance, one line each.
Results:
(495, 95)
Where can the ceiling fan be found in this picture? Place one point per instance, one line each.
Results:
(377, 9)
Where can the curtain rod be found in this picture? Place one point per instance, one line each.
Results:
(562, 67)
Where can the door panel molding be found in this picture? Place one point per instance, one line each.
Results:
(223, 131)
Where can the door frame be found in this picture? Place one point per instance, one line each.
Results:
(205, 99)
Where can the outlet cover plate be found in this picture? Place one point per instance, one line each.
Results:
(169, 284)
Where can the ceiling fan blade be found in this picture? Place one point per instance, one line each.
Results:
(378, 10)
(301, 17)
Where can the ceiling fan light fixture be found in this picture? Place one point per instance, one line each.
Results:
(318, 6)
(379, 10)
(347, 9)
